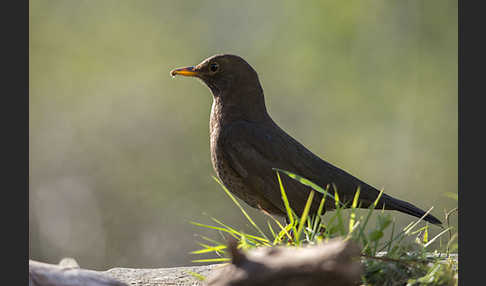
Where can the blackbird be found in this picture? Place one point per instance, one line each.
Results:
(247, 145)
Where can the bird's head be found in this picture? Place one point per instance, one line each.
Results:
(226, 75)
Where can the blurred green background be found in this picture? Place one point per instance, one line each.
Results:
(119, 150)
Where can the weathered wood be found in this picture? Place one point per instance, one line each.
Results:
(334, 263)
(176, 276)
(67, 273)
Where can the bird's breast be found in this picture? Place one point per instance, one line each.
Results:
(215, 131)
(225, 172)
(221, 165)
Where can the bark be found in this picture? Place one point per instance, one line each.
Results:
(333, 263)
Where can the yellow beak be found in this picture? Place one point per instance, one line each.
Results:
(188, 71)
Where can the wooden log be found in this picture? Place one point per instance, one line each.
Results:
(333, 263)
(67, 273)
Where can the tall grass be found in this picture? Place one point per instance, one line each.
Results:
(392, 260)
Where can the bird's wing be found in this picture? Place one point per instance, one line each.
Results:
(253, 150)
(252, 154)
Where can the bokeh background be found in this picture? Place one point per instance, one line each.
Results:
(119, 150)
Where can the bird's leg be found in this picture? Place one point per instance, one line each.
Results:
(265, 211)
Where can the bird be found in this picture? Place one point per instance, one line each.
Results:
(247, 147)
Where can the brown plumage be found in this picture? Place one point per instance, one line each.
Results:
(246, 144)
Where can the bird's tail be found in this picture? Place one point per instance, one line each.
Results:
(402, 206)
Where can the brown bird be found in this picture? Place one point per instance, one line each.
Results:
(246, 146)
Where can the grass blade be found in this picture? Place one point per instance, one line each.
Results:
(271, 229)
(306, 182)
(232, 233)
(196, 275)
(209, 249)
(285, 200)
(319, 213)
(435, 237)
(241, 208)
(304, 216)
(409, 229)
(352, 217)
(252, 237)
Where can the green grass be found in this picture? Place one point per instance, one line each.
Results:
(394, 259)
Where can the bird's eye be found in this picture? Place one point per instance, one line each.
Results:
(214, 67)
